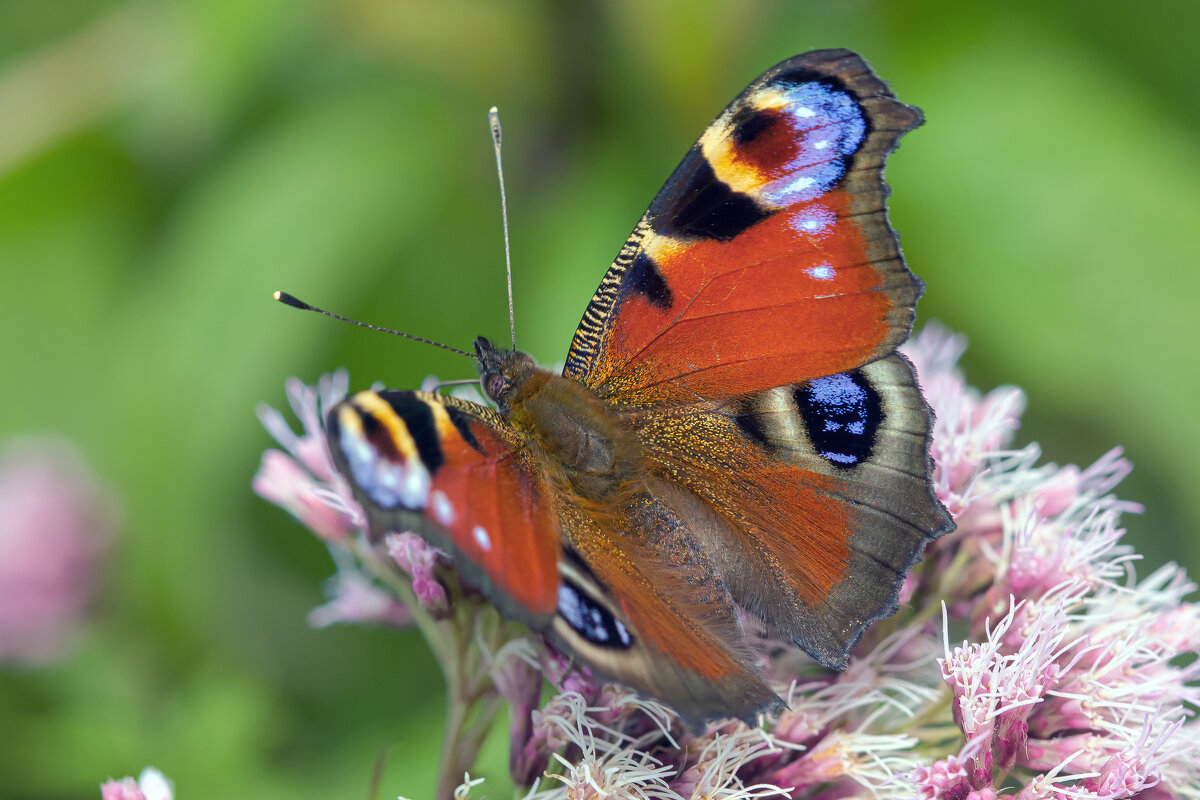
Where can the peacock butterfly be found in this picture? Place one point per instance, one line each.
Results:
(733, 426)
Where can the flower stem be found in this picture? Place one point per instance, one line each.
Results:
(471, 707)
(471, 699)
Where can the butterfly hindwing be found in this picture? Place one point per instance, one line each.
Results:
(454, 472)
(818, 494)
(682, 640)
(767, 256)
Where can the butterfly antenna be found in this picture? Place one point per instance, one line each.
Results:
(295, 302)
(461, 382)
(494, 124)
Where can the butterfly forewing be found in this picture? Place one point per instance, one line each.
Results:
(455, 472)
(634, 596)
(767, 257)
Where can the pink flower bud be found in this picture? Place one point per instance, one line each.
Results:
(418, 559)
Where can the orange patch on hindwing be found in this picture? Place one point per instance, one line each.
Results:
(642, 601)
(806, 529)
(793, 520)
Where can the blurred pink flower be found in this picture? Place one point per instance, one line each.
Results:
(354, 598)
(56, 523)
(418, 560)
(302, 480)
(150, 785)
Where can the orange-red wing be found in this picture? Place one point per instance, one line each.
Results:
(451, 471)
(679, 637)
(767, 257)
(817, 497)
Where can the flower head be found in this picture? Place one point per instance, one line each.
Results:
(302, 480)
(355, 598)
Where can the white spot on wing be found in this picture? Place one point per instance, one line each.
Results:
(568, 606)
(822, 272)
(623, 633)
(356, 448)
(814, 219)
(482, 539)
(800, 184)
(415, 490)
(443, 509)
(387, 483)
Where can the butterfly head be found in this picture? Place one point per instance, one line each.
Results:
(501, 371)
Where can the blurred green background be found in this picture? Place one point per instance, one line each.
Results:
(164, 166)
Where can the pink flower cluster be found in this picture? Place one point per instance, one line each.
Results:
(1028, 660)
(1068, 678)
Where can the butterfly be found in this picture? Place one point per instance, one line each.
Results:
(733, 427)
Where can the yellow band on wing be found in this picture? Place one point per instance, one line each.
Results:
(371, 403)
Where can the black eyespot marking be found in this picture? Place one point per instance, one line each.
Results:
(842, 414)
(463, 423)
(644, 278)
(706, 207)
(749, 123)
(418, 417)
(590, 619)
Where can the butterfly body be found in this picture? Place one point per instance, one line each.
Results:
(584, 447)
(733, 428)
